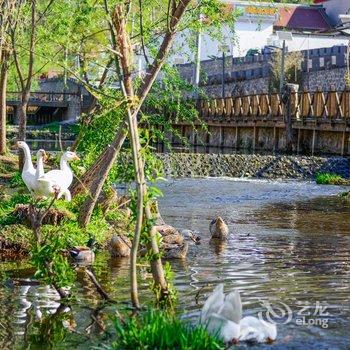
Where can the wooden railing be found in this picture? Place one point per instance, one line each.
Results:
(319, 104)
(43, 96)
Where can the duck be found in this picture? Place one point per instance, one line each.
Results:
(191, 235)
(170, 235)
(28, 171)
(119, 246)
(174, 251)
(222, 315)
(57, 182)
(84, 254)
(173, 243)
(218, 229)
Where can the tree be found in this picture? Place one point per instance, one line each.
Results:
(96, 176)
(6, 21)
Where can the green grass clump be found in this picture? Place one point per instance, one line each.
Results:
(156, 329)
(330, 179)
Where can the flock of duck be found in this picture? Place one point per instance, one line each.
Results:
(221, 314)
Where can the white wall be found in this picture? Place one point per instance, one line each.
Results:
(246, 35)
(303, 42)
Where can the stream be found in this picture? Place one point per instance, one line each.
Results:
(288, 253)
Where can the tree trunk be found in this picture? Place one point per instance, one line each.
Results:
(3, 112)
(22, 123)
(97, 174)
(108, 156)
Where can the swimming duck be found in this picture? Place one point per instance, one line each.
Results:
(170, 235)
(173, 243)
(119, 246)
(191, 235)
(218, 229)
(222, 315)
(84, 255)
(174, 251)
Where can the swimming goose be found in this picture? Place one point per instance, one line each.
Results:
(58, 181)
(222, 315)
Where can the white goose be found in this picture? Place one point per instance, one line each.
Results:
(30, 175)
(222, 316)
(58, 181)
(28, 171)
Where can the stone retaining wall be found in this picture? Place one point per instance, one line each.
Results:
(326, 79)
(252, 165)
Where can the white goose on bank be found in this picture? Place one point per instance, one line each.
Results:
(222, 316)
(39, 172)
(28, 171)
(58, 181)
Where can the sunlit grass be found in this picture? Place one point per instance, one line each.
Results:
(155, 329)
(330, 179)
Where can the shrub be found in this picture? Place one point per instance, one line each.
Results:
(330, 179)
(155, 329)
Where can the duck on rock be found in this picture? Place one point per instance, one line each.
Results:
(218, 229)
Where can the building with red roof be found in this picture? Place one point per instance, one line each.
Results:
(312, 27)
(303, 18)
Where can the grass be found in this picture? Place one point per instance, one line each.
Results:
(8, 167)
(156, 329)
(55, 127)
(330, 179)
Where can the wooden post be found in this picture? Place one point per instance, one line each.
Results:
(298, 144)
(343, 143)
(287, 111)
(255, 137)
(222, 136)
(313, 141)
(275, 139)
(237, 138)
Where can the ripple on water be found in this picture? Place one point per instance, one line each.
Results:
(289, 242)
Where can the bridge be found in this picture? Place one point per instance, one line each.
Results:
(47, 107)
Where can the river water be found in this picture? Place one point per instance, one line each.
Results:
(288, 253)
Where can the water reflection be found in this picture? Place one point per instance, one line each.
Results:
(288, 242)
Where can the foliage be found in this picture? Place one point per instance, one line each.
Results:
(330, 179)
(156, 329)
(292, 69)
(16, 180)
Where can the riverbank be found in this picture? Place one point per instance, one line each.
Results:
(179, 165)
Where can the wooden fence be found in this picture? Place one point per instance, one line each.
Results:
(319, 104)
(318, 123)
